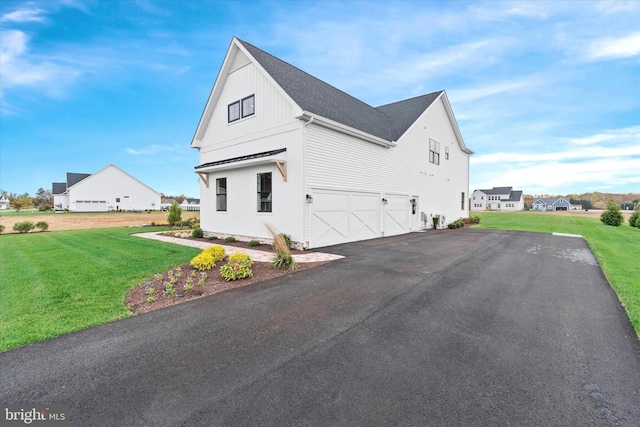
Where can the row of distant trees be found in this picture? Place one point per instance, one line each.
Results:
(42, 200)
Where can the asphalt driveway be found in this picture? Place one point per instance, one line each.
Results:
(454, 328)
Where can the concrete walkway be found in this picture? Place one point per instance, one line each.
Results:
(256, 255)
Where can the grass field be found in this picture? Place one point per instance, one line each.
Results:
(617, 249)
(57, 282)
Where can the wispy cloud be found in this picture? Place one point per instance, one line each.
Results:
(29, 14)
(18, 69)
(615, 48)
(153, 149)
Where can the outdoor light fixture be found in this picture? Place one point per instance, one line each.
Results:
(384, 201)
(413, 202)
(309, 198)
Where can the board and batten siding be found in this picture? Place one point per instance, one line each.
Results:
(334, 160)
(272, 110)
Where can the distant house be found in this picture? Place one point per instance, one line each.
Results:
(278, 146)
(190, 204)
(551, 204)
(497, 199)
(166, 202)
(4, 202)
(108, 189)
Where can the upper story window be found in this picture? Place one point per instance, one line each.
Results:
(434, 152)
(446, 153)
(241, 109)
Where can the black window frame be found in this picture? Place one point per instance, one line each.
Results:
(240, 110)
(236, 104)
(221, 196)
(265, 193)
(462, 201)
(253, 106)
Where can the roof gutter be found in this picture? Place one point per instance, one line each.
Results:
(347, 130)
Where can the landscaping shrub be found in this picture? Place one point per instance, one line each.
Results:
(203, 261)
(460, 223)
(237, 267)
(2, 227)
(612, 216)
(188, 223)
(287, 240)
(452, 226)
(42, 225)
(217, 252)
(475, 219)
(23, 226)
(212, 238)
(230, 239)
(175, 214)
(282, 252)
(253, 243)
(633, 219)
(44, 208)
(197, 233)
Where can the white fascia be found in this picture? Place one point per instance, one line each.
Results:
(339, 127)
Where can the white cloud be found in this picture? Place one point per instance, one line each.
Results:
(25, 15)
(152, 149)
(613, 48)
(631, 133)
(18, 69)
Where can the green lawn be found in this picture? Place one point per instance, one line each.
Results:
(617, 249)
(57, 282)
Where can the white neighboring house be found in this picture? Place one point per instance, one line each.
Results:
(497, 199)
(190, 205)
(4, 202)
(278, 146)
(108, 189)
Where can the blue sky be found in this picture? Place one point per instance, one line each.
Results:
(546, 93)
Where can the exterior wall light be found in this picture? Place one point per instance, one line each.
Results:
(384, 201)
(309, 198)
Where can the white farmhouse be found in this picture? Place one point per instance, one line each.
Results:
(497, 199)
(108, 189)
(278, 146)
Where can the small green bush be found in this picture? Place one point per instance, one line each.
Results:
(230, 239)
(42, 225)
(23, 226)
(197, 233)
(203, 261)
(217, 252)
(237, 267)
(633, 219)
(175, 214)
(212, 238)
(192, 223)
(2, 227)
(612, 216)
(253, 243)
(475, 219)
(460, 223)
(452, 226)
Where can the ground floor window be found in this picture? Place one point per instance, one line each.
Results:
(264, 192)
(462, 201)
(221, 194)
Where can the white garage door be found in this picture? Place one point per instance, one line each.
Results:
(342, 216)
(91, 206)
(396, 215)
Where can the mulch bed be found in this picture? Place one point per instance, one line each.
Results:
(266, 247)
(136, 298)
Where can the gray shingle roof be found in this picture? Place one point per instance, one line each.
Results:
(498, 190)
(515, 196)
(311, 94)
(74, 178)
(58, 187)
